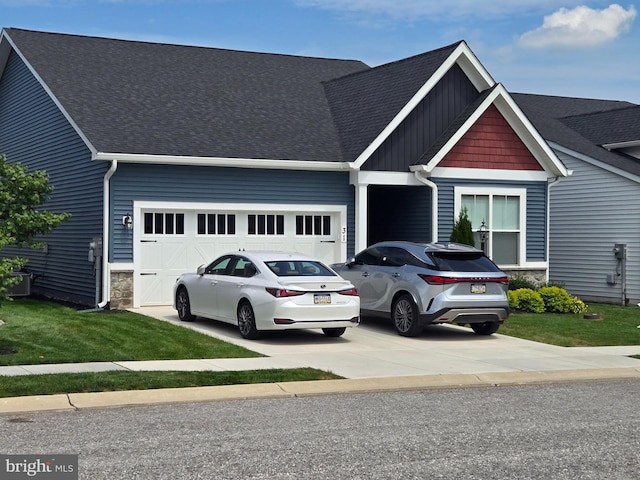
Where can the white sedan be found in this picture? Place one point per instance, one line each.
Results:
(268, 291)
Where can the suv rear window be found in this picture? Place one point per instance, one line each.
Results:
(463, 262)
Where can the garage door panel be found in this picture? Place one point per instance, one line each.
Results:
(196, 238)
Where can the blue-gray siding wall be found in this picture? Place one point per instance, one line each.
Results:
(425, 124)
(536, 211)
(136, 182)
(35, 133)
(591, 211)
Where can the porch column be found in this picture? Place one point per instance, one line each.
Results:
(361, 226)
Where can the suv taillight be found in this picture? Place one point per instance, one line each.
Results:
(440, 280)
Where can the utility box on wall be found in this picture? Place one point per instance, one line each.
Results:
(23, 287)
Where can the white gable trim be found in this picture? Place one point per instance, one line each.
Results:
(470, 65)
(521, 126)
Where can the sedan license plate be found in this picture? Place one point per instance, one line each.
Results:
(322, 298)
(478, 288)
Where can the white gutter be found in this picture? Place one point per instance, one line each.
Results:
(549, 185)
(106, 283)
(434, 204)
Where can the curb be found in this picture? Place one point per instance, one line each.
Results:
(80, 401)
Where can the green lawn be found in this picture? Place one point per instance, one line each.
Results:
(45, 332)
(36, 331)
(618, 326)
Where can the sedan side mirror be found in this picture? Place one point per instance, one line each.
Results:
(351, 262)
(200, 270)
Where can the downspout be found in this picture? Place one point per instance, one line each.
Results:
(434, 204)
(549, 185)
(106, 293)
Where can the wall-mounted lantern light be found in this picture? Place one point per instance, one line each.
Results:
(127, 221)
(483, 232)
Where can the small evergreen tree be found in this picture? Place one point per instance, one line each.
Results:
(462, 231)
(21, 194)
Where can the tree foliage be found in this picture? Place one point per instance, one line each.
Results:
(462, 231)
(21, 193)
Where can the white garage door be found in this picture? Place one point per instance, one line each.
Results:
(170, 240)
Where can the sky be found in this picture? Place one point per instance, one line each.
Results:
(574, 48)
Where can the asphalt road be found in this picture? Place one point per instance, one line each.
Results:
(579, 430)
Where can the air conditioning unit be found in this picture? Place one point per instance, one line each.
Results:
(23, 287)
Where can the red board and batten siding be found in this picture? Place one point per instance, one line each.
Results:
(490, 143)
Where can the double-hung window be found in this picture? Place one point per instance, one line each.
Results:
(502, 212)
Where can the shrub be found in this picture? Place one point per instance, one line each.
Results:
(462, 231)
(518, 282)
(556, 299)
(526, 299)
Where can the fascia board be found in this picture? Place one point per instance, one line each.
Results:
(469, 64)
(51, 95)
(481, 174)
(224, 162)
(620, 145)
(521, 126)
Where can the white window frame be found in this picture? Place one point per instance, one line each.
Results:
(459, 192)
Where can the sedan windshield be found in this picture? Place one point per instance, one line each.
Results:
(307, 268)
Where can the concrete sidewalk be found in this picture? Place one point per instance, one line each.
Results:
(371, 357)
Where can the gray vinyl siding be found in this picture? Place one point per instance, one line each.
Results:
(164, 183)
(592, 210)
(535, 211)
(35, 133)
(425, 124)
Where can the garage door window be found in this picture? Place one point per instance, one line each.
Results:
(313, 225)
(216, 224)
(164, 223)
(265, 224)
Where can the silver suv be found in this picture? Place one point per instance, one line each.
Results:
(422, 284)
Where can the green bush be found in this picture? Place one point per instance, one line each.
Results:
(526, 299)
(551, 299)
(555, 299)
(518, 282)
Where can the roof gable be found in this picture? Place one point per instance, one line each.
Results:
(495, 100)
(158, 99)
(553, 117)
(490, 143)
(368, 106)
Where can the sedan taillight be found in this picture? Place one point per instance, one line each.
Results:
(283, 292)
(349, 291)
(440, 280)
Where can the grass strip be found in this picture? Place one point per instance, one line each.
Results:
(50, 384)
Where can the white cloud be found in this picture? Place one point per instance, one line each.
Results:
(438, 10)
(580, 27)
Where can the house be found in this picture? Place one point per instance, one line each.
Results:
(167, 156)
(595, 213)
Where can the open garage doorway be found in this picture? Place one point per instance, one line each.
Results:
(399, 213)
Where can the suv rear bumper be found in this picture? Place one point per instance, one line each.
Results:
(464, 316)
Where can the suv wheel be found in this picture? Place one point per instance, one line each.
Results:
(485, 328)
(404, 314)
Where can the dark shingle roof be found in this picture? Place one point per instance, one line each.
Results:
(572, 123)
(147, 98)
(364, 103)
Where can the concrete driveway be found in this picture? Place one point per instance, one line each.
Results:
(374, 350)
